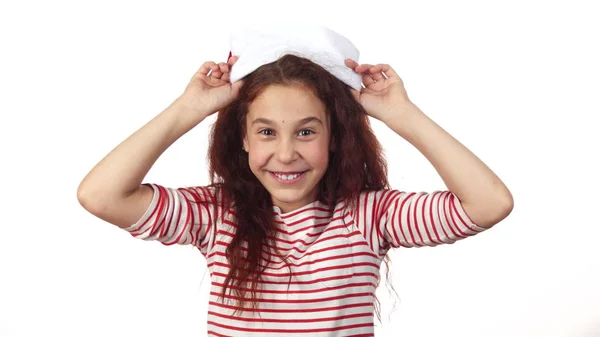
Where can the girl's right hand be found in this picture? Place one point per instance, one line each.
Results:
(207, 94)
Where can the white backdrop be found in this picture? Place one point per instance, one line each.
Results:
(515, 81)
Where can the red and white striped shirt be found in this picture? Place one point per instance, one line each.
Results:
(335, 255)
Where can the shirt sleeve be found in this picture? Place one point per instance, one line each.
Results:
(184, 216)
(392, 218)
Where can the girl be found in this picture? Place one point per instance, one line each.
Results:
(299, 214)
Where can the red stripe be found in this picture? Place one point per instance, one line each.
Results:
(404, 224)
(373, 218)
(292, 264)
(302, 310)
(419, 213)
(435, 200)
(286, 291)
(336, 328)
(309, 272)
(396, 221)
(312, 281)
(296, 249)
(289, 256)
(447, 215)
(290, 320)
(210, 332)
(298, 301)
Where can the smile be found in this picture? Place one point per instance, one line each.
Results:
(287, 178)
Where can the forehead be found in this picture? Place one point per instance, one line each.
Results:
(279, 102)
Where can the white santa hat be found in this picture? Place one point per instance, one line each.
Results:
(260, 44)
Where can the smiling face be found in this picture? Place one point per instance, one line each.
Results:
(287, 140)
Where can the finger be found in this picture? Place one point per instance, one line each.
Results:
(357, 68)
(387, 70)
(363, 67)
(216, 72)
(224, 67)
(218, 82)
(226, 76)
(350, 63)
(376, 73)
(232, 60)
(365, 76)
(206, 67)
(214, 82)
(367, 79)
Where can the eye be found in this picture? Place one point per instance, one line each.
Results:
(307, 132)
(269, 132)
(262, 132)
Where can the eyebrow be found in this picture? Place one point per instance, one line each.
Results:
(300, 122)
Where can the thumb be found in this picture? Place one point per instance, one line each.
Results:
(235, 87)
(356, 94)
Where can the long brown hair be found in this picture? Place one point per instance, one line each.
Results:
(356, 164)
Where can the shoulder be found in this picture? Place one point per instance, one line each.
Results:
(204, 193)
(372, 202)
(372, 198)
(365, 199)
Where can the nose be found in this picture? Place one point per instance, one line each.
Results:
(286, 151)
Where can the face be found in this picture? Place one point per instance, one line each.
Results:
(287, 141)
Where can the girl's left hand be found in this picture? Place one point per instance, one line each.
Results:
(382, 97)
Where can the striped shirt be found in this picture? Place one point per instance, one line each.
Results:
(335, 255)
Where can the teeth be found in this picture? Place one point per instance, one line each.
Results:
(287, 176)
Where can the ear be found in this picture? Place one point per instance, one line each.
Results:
(245, 146)
(332, 145)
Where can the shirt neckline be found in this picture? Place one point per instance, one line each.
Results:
(299, 210)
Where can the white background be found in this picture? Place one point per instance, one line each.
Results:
(517, 82)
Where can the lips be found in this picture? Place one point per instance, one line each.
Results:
(298, 176)
(282, 173)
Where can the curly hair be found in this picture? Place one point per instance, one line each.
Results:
(356, 164)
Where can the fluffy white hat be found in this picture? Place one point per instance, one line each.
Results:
(260, 44)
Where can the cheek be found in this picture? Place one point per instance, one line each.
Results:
(318, 156)
(258, 157)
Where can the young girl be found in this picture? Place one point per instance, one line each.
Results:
(299, 215)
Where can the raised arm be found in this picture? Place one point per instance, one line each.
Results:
(113, 189)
